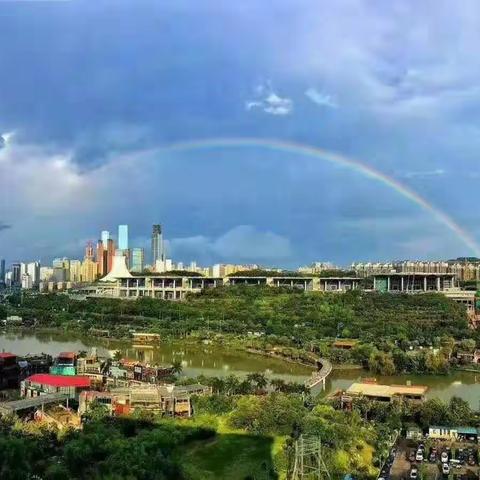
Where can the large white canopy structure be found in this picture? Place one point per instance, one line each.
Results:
(119, 269)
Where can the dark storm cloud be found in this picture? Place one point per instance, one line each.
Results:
(90, 82)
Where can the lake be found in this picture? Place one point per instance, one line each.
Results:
(217, 361)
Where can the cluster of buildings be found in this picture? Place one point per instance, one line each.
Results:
(112, 267)
(97, 262)
(121, 386)
(464, 269)
(65, 273)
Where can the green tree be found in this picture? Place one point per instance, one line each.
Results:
(382, 363)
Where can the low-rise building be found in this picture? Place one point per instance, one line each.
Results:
(453, 433)
(64, 364)
(45, 383)
(413, 282)
(170, 400)
(387, 393)
(9, 370)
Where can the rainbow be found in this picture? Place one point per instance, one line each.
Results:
(335, 158)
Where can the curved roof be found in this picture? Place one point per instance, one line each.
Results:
(119, 269)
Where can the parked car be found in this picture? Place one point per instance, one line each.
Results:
(414, 473)
(419, 456)
(445, 469)
(444, 457)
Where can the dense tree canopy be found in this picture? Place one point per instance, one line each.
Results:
(276, 312)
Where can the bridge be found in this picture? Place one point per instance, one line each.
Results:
(7, 408)
(320, 376)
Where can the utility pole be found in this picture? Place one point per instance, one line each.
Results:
(308, 462)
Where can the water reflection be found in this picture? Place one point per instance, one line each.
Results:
(195, 359)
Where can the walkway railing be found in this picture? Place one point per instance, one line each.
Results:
(321, 375)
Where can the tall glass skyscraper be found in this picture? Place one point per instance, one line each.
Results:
(2, 271)
(123, 237)
(105, 237)
(158, 252)
(137, 260)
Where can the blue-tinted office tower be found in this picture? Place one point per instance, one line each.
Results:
(123, 237)
(2, 271)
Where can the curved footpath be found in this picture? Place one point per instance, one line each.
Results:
(320, 376)
(324, 367)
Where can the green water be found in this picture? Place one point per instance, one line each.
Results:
(196, 359)
(216, 361)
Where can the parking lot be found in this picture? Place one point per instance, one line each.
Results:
(432, 459)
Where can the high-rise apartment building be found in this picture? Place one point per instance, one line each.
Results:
(75, 271)
(105, 253)
(61, 269)
(158, 250)
(33, 271)
(89, 270)
(137, 260)
(110, 253)
(89, 251)
(100, 259)
(46, 274)
(123, 237)
(16, 276)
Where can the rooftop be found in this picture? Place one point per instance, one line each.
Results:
(413, 274)
(387, 391)
(60, 380)
(66, 355)
(7, 355)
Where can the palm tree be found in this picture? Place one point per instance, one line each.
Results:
(177, 368)
(231, 384)
(278, 384)
(258, 379)
(218, 385)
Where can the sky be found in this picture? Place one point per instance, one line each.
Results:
(94, 94)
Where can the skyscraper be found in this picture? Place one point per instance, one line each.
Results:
(2, 271)
(33, 271)
(89, 251)
(137, 261)
(158, 252)
(16, 275)
(100, 259)
(110, 253)
(105, 237)
(123, 237)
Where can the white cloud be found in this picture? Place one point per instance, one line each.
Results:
(320, 98)
(243, 243)
(408, 59)
(5, 138)
(269, 101)
(425, 174)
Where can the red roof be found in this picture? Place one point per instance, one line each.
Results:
(66, 355)
(60, 380)
(7, 355)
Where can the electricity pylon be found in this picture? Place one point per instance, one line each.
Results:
(308, 463)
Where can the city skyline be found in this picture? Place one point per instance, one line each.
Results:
(398, 100)
(149, 249)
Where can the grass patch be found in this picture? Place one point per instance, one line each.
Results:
(230, 456)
